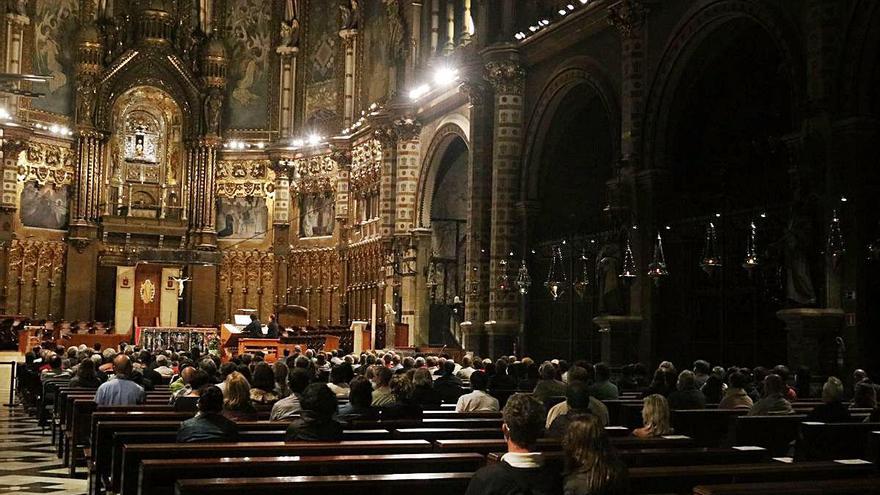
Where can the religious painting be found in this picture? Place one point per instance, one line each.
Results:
(242, 218)
(376, 61)
(322, 67)
(44, 205)
(317, 214)
(55, 26)
(249, 23)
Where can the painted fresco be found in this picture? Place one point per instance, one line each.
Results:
(249, 24)
(54, 34)
(316, 215)
(323, 45)
(44, 206)
(242, 218)
(375, 87)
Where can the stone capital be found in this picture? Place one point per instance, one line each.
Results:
(474, 91)
(628, 16)
(287, 51)
(506, 77)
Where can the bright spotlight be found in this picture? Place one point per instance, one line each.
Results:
(418, 92)
(445, 76)
(314, 139)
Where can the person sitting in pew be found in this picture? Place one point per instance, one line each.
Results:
(237, 403)
(577, 396)
(360, 397)
(655, 417)
(120, 391)
(598, 408)
(522, 469)
(263, 384)
(316, 421)
(548, 386)
(478, 400)
(382, 395)
(208, 425)
(189, 401)
(832, 409)
(774, 401)
(448, 386)
(865, 395)
(85, 376)
(592, 466)
(501, 380)
(423, 393)
(736, 396)
(297, 381)
(686, 395)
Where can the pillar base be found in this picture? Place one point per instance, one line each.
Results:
(619, 338)
(205, 240)
(500, 338)
(811, 337)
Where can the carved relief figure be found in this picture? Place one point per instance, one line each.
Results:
(85, 99)
(290, 27)
(607, 270)
(350, 16)
(213, 107)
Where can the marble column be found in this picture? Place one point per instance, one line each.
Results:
(15, 25)
(349, 43)
(287, 56)
(201, 165)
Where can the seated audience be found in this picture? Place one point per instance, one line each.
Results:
(447, 385)
(423, 393)
(655, 417)
(663, 383)
(208, 425)
(713, 389)
(528, 376)
(120, 390)
(501, 380)
(701, 373)
(865, 396)
(316, 421)
(263, 384)
(466, 368)
(832, 409)
(237, 403)
(686, 395)
(577, 396)
(298, 380)
(522, 469)
(189, 401)
(603, 389)
(281, 372)
(340, 377)
(592, 466)
(359, 399)
(478, 400)
(773, 401)
(382, 395)
(548, 386)
(163, 369)
(85, 376)
(736, 397)
(598, 408)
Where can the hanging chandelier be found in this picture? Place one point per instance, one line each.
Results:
(628, 270)
(582, 286)
(657, 268)
(503, 277)
(752, 260)
(711, 259)
(556, 282)
(523, 279)
(834, 244)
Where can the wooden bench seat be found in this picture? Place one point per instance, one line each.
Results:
(827, 441)
(133, 455)
(157, 476)
(446, 433)
(774, 433)
(376, 484)
(484, 446)
(858, 486)
(684, 456)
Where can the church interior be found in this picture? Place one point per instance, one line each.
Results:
(648, 222)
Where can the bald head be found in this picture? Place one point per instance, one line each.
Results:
(188, 374)
(122, 365)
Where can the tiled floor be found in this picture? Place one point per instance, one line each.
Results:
(27, 459)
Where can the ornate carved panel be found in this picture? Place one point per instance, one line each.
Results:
(34, 275)
(240, 178)
(247, 280)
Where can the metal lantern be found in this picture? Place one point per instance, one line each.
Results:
(504, 277)
(752, 260)
(657, 268)
(711, 259)
(582, 286)
(523, 279)
(556, 282)
(835, 246)
(628, 271)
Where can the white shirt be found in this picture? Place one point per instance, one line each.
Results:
(476, 401)
(465, 373)
(528, 460)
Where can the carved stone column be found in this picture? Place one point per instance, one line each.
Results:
(15, 24)
(201, 168)
(476, 295)
(349, 43)
(507, 78)
(407, 173)
(287, 95)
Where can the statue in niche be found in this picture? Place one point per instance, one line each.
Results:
(18, 7)
(290, 27)
(795, 246)
(607, 271)
(350, 16)
(396, 44)
(85, 98)
(213, 107)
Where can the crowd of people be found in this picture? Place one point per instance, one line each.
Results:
(318, 392)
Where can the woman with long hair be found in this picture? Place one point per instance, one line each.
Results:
(592, 466)
(655, 417)
(237, 398)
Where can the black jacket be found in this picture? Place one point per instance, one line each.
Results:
(310, 428)
(503, 479)
(448, 388)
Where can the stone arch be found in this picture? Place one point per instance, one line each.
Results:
(146, 69)
(699, 24)
(860, 52)
(569, 75)
(440, 142)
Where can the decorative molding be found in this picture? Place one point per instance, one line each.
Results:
(507, 77)
(628, 16)
(241, 178)
(46, 163)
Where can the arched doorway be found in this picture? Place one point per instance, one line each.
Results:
(729, 114)
(447, 212)
(568, 182)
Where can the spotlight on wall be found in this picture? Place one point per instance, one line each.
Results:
(445, 76)
(4, 114)
(419, 91)
(297, 143)
(314, 139)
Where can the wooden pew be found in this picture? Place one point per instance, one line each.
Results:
(486, 447)
(774, 433)
(828, 441)
(682, 479)
(446, 433)
(708, 427)
(393, 424)
(684, 456)
(158, 476)
(860, 486)
(133, 455)
(874, 447)
(376, 484)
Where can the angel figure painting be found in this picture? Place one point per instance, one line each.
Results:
(242, 218)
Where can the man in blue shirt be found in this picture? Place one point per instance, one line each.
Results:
(120, 391)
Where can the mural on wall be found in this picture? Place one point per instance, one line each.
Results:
(44, 205)
(54, 33)
(375, 53)
(316, 215)
(242, 218)
(323, 45)
(249, 23)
